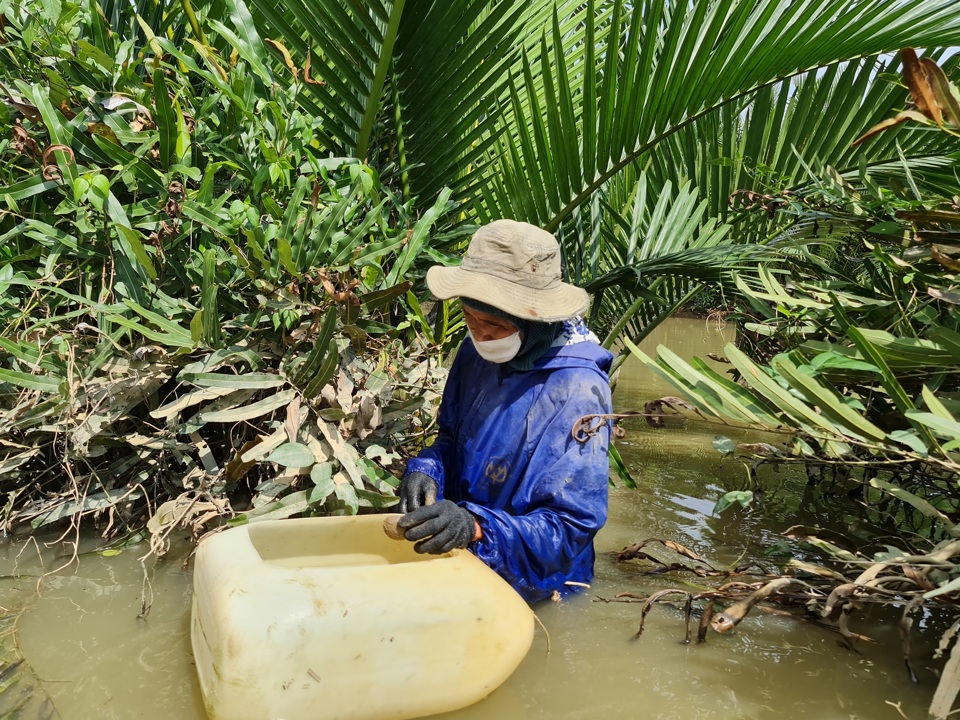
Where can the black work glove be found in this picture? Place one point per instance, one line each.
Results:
(416, 489)
(445, 525)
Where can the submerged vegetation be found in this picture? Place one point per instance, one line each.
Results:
(215, 218)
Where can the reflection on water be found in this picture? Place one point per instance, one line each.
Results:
(83, 636)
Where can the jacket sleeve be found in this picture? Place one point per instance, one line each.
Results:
(546, 537)
(435, 459)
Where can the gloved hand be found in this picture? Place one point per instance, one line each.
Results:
(416, 489)
(445, 525)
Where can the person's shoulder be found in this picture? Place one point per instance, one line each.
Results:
(580, 386)
(577, 347)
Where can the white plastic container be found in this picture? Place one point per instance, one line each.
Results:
(323, 618)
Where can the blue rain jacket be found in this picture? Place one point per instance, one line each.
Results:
(505, 452)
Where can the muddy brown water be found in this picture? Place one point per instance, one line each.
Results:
(95, 658)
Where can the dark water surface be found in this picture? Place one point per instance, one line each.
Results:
(82, 636)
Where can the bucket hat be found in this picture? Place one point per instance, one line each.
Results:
(514, 266)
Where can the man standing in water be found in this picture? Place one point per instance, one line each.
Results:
(505, 477)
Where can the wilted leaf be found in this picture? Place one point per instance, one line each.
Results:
(192, 398)
(11, 463)
(829, 548)
(948, 686)
(264, 446)
(381, 455)
(682, 550)
(815, 570)
(250, 381)
(249, 412)
(760, 449)
(96, 501)
(948, 297)
(950, 587)
(345, 453)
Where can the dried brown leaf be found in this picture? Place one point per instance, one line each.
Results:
(943, 95)
(948, 687)
(938, 254)
(22, 142)
(948, 297)
(286, 57)
(899, 119)
(307, 78)
(918, 83)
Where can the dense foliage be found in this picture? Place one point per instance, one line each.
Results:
(197, 301)
(851, 351)
(215, 216)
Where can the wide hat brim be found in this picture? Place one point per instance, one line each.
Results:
(559, 302)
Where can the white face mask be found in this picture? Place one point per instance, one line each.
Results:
(498, 351)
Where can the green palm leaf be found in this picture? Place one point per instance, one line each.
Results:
(674, 66)
(772, 140)
(410, 76)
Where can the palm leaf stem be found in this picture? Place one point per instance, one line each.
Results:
(379, 78)
(401, 147)
(192, 19)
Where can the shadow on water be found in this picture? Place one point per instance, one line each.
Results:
(83, 638)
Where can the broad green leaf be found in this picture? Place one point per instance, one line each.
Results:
(918, 502)
(27, 188)
(94, 502)
(28, 381)
(935, 406)
(911, 440)
(169, 326)
(949, 429)
(849, 421)
(167, 339)
(621, 469)
(131, 239)
(292, 455)
(743, 497)
(292, 504)
(368, 498)
(246, 39)
(834, 361)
